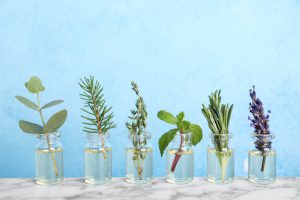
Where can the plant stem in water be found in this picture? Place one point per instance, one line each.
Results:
(48, 139)
(103, 146)
(178, 153)
(263, 163)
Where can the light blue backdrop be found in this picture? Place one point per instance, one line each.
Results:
(177, 51)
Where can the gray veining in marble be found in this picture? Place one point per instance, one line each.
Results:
(118, 189)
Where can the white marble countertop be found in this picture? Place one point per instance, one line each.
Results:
(118, 189)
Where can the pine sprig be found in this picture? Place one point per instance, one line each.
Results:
(98, 118)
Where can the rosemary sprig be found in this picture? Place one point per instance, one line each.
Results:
(137, 129)
(98, 118)
(218, 117)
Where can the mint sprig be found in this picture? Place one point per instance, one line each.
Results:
(182, 126)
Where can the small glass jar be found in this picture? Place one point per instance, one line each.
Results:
(139, 159)
(262, 164)
(220, 159)
(49, 159)
(97, 159)
(180, 160)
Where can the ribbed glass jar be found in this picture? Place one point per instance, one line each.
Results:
(262, 164)
(220, 159)
(139, 159)
(180, 160)
(49, 159)
(97, 159)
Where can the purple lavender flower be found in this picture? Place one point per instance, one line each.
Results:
(260, 123)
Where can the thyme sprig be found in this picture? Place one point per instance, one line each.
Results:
(98, 118)
(137, 130)
(218, 117)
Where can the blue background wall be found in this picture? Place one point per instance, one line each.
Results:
(177, 51)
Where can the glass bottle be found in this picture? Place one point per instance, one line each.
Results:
(220, 159)
(180, 170)
(262, 164)
(49, 159)
(97, 159)
(139, 159)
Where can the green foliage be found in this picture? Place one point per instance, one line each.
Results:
(217, 114)
(139, 115)
(34, 85)
(98, 116)
(55, 122)
(29, 127)
(27, 102)
(52, 103)
(165, 139)
(182, 126)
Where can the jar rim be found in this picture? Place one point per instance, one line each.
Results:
(144, 134)
(229, 135)
(106, 135)
(271, 135)
(57, 134)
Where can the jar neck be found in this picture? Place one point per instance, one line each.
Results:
(95, 140)
(221, 141)
(139, 141)
(52, 139)
(182, 139)
(263, 142)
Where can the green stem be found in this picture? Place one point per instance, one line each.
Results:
(47, 137)
(263, 163)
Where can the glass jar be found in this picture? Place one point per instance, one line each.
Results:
(139, 159)
(262, 160)
(220, 159)
(49, 159)
(180, 159)
(97, 159)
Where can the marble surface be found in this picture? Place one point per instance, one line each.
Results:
(118, 189)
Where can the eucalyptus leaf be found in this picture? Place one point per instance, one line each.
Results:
(167, 117)
(34, 85)
(165, 139)
(27, 102)
(31, 128)
(55, 122)
(52, 103)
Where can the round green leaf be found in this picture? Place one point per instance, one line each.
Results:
(27, 102)
(55, 122)
(34, 85)
(167, 117)
(29, 127)
(196, 133)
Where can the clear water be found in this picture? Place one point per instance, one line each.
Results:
(220, 166)
(139, 170)
(46, 173)
(255, 173)
(184, 171)
(97, 169)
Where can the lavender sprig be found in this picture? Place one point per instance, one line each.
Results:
(260, 123)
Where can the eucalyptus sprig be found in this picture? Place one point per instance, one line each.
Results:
(218, 117)
(137, 129)
(183, 127)
(98, 118)
(35, 86)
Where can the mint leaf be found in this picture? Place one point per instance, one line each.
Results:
(186, 125)
(165, 139)
(167, 117)
(196, 133)
(180, 116)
